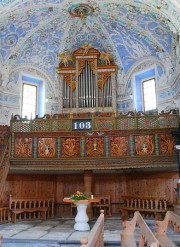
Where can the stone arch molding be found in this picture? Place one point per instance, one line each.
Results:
(51, 83)
(140, 66)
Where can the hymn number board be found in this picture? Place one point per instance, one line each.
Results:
(82, 124)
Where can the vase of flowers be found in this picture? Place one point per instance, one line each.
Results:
(79, 196)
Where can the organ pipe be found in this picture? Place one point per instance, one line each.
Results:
(87, 86)
(110, 97)
(80, 87)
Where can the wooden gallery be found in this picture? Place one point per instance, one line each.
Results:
(128, 160)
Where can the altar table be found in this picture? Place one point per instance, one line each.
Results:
(81, 218)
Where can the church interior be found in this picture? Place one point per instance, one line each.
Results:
(89, 102)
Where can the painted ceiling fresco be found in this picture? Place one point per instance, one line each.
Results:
(33, 32)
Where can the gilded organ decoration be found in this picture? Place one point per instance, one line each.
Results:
(102, 79)
(69, 80)
(92, 65)
(105, 57)
(23, 147)
(70, 147)
(46, 147)
(87, 80)
(119, 146)
(167, 144)
(65, 58)
(82, 64)
(86, 47)
(94, 146)
(144, 145)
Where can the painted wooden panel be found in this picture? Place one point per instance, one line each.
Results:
(46, 147)
(70, 147)
(23, 147)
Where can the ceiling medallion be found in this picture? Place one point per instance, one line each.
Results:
(80, 10)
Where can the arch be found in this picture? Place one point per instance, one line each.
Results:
(36, 71)
(143, 64)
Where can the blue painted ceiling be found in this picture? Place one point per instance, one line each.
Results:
(33, 32)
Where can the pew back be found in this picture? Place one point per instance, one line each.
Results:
(4, 214)
(96, 235)
(171, 220)
(149, 206)
(30, 208)
(104, 204)
(146, 235)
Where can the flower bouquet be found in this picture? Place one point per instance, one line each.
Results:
(79, 196)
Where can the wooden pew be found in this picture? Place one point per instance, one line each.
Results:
(96, 235)
(147, 205)
(28, 209)
(73, 209)
(171, 219)
(104, 203)
(146, 235)
(4, 211)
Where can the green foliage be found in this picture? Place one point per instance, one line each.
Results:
(79, 196)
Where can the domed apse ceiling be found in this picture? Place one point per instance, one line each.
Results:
(34, 32)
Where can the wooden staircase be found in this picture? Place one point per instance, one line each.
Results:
(4, 158)
(4, 168)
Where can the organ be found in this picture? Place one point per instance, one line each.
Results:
(87, 82)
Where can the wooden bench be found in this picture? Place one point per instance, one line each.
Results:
(4, 214)
(148, 206)
(171, 219)
(28, 209)
(96, 235)
(104, 203)
(147, 238)
(73, 209)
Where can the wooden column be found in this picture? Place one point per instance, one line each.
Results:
(88, 176)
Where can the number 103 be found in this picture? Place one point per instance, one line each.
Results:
(82, 125)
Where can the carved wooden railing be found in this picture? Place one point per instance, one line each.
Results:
(4, 167)
(96, 235)
(96, 122)
(146, 235)
(126, 141)
(171, 219)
